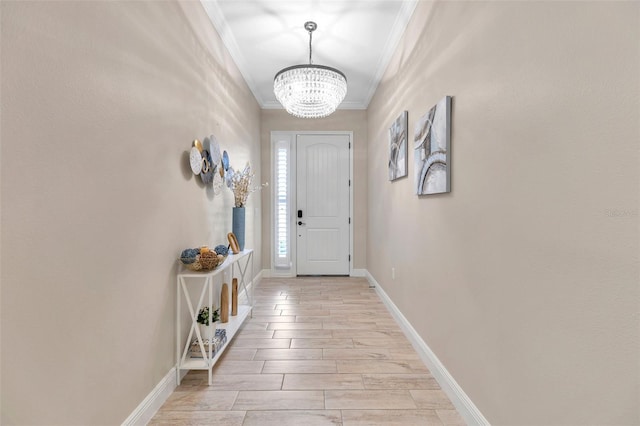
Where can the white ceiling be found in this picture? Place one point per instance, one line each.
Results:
(357, 37)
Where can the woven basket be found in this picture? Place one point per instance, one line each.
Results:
(207, 262)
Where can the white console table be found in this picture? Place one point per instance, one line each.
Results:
(210, 283)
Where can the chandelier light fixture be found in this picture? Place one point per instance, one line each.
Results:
(310, 91)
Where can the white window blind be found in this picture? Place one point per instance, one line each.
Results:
(282, 249)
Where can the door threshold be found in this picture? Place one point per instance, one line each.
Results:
(319, 276)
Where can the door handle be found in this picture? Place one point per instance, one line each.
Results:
(301, 223)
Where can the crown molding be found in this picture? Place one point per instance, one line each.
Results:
(220, 24)
(397, 31)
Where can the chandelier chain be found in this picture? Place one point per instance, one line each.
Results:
(310, 35)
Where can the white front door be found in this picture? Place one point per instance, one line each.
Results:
(322, 213)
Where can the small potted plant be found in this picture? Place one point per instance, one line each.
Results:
(207, 322)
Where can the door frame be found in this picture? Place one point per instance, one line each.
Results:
(291, 136)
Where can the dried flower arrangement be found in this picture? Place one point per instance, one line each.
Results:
(240, 184)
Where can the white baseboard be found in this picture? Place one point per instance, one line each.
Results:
(359, 273)
(466, 408)
(278, 273)
(152, 403)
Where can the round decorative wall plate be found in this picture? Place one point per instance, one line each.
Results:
(207, 168)
(228, 175)
(217, 183)
(225, 161)
(195, 160)
(198, 144)
(214, 150)
(206, 144)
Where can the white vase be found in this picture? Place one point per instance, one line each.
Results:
(207, 331)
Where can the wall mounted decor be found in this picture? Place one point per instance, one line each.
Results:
(217, 182)
(204, 160)
(398, 159)
(207, 167)
(432, 139)
(225, 161)
(228, 170)
(198, 144)
(211, 162)
(195, 160)
(214, 150)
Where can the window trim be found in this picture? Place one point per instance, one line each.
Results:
(282, 205)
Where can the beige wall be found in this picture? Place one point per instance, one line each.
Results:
(100, 103)
(341, 120)
(524, 279)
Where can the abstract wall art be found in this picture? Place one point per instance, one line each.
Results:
(398, 158)
(432, 157)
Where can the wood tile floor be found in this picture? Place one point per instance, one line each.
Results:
(318, 351)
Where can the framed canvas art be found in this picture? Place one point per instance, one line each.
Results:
(398, 160)
(432, 150)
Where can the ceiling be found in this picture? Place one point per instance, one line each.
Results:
(357, 37)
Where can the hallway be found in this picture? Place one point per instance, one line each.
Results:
(318, 351)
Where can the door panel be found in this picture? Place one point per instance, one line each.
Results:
(320, 243)
(323, 196)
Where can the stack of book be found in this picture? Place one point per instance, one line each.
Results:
(216, 344)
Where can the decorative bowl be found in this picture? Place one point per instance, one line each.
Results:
(195, 260)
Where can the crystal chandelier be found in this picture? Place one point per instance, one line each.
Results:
(310, 91)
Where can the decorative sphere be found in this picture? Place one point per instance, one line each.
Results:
(221, 249)
(208, 260)
(188, 256)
